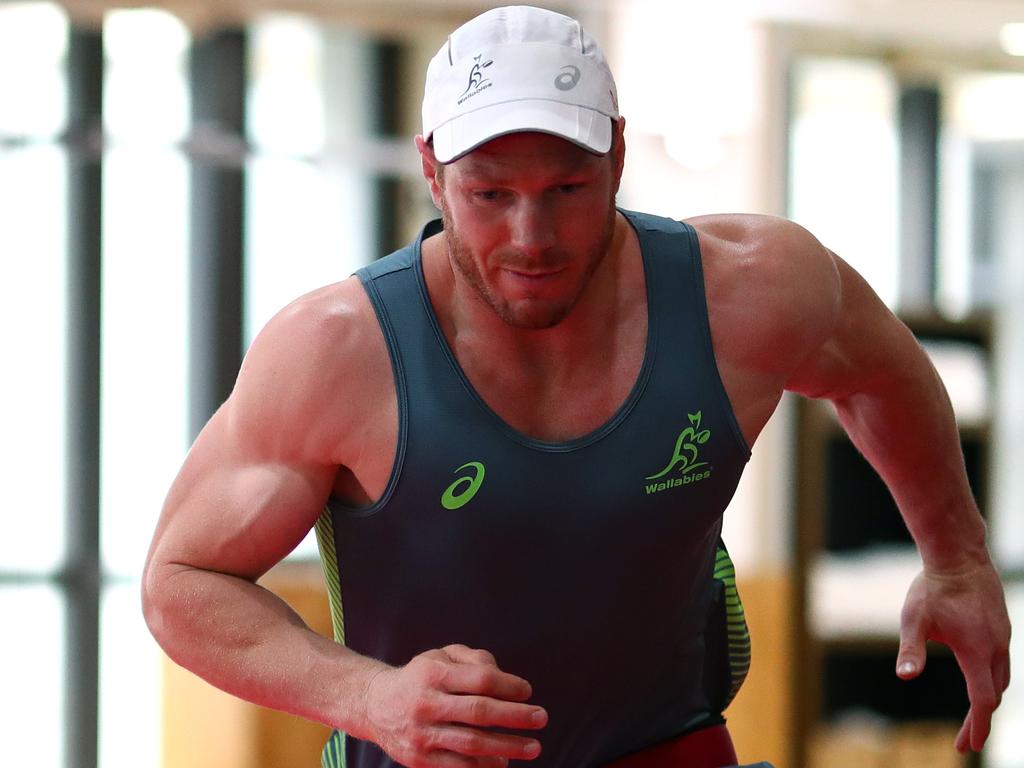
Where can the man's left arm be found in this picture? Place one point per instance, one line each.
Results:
(895, 409)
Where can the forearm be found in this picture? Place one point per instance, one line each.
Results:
(247, 641)
(894, 407)
(904, 425)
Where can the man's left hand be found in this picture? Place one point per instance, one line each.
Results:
(966, 611)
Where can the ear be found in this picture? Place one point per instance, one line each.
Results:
(618, 149)
(430, 165)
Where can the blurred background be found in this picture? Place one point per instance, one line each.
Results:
(171, 174)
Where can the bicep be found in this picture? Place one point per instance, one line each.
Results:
(235, 509)
(261, 471)
(865, 345)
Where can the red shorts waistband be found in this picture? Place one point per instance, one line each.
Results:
(707, 748)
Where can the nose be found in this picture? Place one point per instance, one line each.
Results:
(532, 226)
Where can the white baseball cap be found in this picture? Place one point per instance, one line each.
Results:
(515, 69)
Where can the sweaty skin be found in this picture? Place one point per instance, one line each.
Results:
(540, 294)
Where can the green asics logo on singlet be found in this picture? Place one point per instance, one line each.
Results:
(684, 459)
(461, 492)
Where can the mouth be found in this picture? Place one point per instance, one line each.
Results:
(534, 277)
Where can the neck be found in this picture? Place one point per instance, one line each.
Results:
(474, 330)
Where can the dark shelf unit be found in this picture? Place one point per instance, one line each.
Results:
(844, 508)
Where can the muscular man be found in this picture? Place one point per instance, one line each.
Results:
(519, 435)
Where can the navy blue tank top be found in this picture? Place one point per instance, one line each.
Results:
(593, 567)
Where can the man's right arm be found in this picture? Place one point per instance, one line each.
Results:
(250, 489)
(252, 486)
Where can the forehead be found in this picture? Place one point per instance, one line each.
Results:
(526, 151)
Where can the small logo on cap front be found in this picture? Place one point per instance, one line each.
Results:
(477, 81)
(568, 79)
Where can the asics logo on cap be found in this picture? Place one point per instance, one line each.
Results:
(568, 79)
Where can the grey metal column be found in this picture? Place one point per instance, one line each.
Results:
(217, 144)
(384, 109)
(920, 116)
(81, 573)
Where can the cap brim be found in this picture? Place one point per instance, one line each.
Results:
(588, 128)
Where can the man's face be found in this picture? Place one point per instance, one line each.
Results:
(528, 219)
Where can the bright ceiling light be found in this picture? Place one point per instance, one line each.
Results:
(1012, 38)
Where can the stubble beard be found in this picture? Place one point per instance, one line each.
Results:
(529, 315)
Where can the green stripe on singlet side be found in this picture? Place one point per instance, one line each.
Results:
(329, 561)
(333, 754)
(736, 623)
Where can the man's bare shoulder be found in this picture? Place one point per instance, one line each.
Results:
(773, 289)
(769, 243)
(312, 364)
(334, 314)
(319, 334)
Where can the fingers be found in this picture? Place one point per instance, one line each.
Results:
(912, 655)
(1001, 671)
(488, 712)
(984, 695)
(974, 731)
(981, 726)
(485, 696)
(452, 760)
(438, 711)
(475, 743)
(466, 655)
(484, 679)
(963, 735)
(985, 685)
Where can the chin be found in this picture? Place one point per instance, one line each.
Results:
(534, 318)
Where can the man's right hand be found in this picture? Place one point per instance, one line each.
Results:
(436, 711)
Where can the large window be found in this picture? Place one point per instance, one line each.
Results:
(144, 392)
(33, 44)
(843, 163)
(309, 219)
(852, 119)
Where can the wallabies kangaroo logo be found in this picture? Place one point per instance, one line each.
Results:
(684, 457)
(476, 74)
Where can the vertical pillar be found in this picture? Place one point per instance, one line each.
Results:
(81, 574)
(1007, 446)
(920, 116)
(383, 104)
(218, 76)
